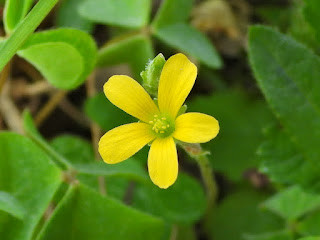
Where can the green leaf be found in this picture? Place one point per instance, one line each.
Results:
(282, 162)
(26, 173)
(281, 235)
(30, 128)
(59, 62)
(104, 113)
(85, 214)
(68, 16)
(170, 27)
(288, 74)
(74, 148)
(310, 224)
(129, 168)
(14, 12)
(191, 41)
(292, 203)
(239, 215)
(11, 205)
(24, 29)
(243, 138)
(80, 154)
(64, 56)
(118, 187)
(312, 14)
(183, 202)
(172, 12)
(32, 132)
(126, 13)
(136, 50)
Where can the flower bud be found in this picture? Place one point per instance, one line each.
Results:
(151, 75)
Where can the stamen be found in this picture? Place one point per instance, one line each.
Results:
(161, 126)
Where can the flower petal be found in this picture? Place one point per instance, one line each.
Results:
(163, 162)
(130, 96)
(195, 128)
(122, 142)
(176, 81)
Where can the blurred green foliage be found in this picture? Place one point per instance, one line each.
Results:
(55, 189)
(232, 151)
(69, 16)
(139, 47)
(239, 215)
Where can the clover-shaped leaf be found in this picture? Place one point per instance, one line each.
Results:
(65, 57)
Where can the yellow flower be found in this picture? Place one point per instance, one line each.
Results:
(158, 125)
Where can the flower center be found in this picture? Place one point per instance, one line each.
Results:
(162, 126)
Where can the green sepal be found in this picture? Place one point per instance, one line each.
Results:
(182, 110)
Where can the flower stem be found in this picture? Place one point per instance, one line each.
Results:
(196, 152)
(209, 181)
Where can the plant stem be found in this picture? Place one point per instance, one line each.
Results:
(57, 157)
(95, 130)
(9, 111)
(174, 232)
(74, 113)
(24, 29)
(5, 75)
(209, 181)
(196, 152)
(49, 106)
(37, 88)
